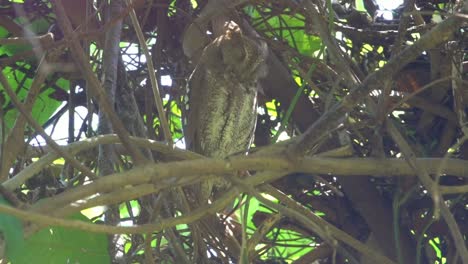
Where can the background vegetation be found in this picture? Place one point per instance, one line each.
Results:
(359, 153)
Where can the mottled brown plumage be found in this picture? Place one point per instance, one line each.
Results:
(222, 96)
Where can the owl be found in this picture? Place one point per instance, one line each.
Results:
(222, 96)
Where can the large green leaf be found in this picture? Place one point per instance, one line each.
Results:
(12, 230)
(63, 245)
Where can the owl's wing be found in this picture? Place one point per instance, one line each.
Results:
(192, 109)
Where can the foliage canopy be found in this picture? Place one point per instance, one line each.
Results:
(359, 154)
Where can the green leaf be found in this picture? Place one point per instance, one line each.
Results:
(37, 27)
(44, 106)
(58, 245)
(12, 230)
(294, 34)
(360, 6)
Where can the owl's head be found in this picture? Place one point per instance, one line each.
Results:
(242, 54)
(232, 45)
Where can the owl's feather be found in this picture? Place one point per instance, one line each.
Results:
(221, 117)
(222, 95)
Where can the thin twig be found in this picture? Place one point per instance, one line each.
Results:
(314, 165)
(46, 220)
(152, 76)
(326, 231)
(433, 188)
(45, 40)
(15, 139)
(441, 33)
(95, 86)
(69, 158)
